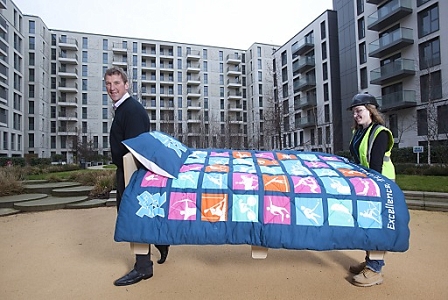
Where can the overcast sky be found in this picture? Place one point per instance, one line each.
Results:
(224, 23)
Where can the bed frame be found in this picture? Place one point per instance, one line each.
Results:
(258, 252)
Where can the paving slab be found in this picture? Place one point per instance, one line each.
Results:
(81, 190)
(92, 203)
(46, 188)
(8, 201)
(49, 203)
(8, 211)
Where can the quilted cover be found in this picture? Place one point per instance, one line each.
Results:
(275, 199)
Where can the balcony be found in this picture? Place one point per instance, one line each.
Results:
(391, 42)
(193, 105)
(67, 130)
(302, 46)
(65, 58)
(305, 102)
(68, 88)
(120, 60)
(68, 43)
(73, 102)
(234, 59)
(68, 73)
(193, 68)
(308, 121)
(235, 71)
(302, 65)
(234, 95)
(193, 93)
(389, 14)
(235, 107)
(395, 70)
(397, 100)
(304, 84)
(2, 4)
(119, 48)
(193, 80)
(234, 83)
(193, 54)
(68, 116)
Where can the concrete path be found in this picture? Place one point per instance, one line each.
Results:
(70, 254)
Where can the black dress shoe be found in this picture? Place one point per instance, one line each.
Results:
(131, 278)
(163, 249)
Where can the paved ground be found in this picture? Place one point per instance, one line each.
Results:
(70, 254)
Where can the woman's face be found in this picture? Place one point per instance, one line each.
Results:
(362, 115)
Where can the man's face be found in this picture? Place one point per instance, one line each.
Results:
(116, 87)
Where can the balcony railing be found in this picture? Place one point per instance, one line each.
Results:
(395, 70)
(391, 42)
(303, 46)
(397, 100)
(389, 14)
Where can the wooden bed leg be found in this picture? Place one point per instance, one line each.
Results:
(376, 255)
(130, 167)
(138, 248)
(259, 252)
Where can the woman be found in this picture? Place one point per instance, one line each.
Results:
(370, 147)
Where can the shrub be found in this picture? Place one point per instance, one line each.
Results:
(11, 180)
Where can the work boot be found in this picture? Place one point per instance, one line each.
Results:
(356, 269)
(367, 277)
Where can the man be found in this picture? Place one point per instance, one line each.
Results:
(130, 120)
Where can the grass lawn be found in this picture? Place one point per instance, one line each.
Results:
(423, 183)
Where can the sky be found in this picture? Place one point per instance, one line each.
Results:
(223, 23)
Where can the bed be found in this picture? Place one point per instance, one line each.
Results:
(266, 199)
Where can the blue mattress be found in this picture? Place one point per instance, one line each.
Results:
(275, 199)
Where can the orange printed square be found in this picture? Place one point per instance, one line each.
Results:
(276, 183)
(214, 207)
(241, 154)
(285, 156)
(217, 168)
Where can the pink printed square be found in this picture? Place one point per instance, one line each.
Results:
(277, 210)
(182, 206)
(245, 182)
(153, 179)
(365, 187)
(305, 185)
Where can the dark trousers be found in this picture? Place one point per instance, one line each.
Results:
(143, 263)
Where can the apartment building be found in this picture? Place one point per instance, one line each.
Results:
(197, 93)
(394, 50)
(53, 100)
(307, 89)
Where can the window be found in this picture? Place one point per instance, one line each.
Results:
(326, 93)
(429, 54)
(105, 110)
(32, 27)
(322, 30)
(393, 124)
(431, 86)
(32, 42)
(422, 122)
(361, 29)
(105, 44)
(84, 71)
(324, 71)
(84, 56)
(324, 50)
(421, 2)
(327, 113)
(105, 127)
(428, 21)
(85, 43)
(284, 58)
(362, 53)
(359, 6)
(285, 90)
(363, 78)
(442, 122)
